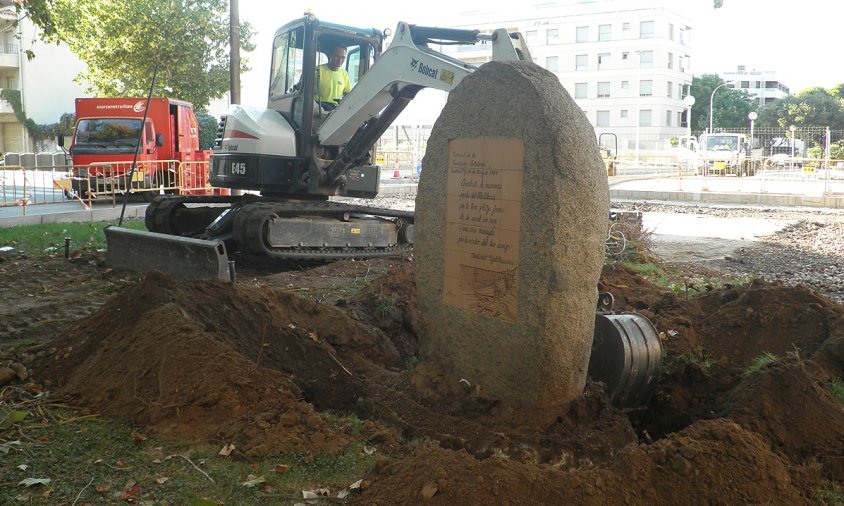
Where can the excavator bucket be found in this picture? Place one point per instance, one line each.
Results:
(179, 257)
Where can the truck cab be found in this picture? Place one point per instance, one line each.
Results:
(105, 143)
(726, 154)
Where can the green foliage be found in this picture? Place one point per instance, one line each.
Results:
(813, 106)
(697, 357)
(760, 362)
(79, 456)
(384, 307)
(729, 107)
(38, 132)
(121, 41)
(836, 388)
(48, 239)
(207, 130)
(836, 151)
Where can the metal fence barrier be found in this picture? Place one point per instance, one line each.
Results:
(28, 186)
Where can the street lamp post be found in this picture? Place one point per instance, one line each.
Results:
(711, 98)
(792, 128)
(689, 100)
(752, 117)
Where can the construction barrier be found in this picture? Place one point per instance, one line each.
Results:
(25, 185)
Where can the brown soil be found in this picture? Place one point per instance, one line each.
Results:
(253, 364)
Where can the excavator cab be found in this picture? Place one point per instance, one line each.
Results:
(299, 49)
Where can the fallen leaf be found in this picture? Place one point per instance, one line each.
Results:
(137, 436)
(6, 447)
(315, 493)
(130, 493)
(103, 488)
(292, 326)
(227, 450)
(130, 484)
(267, 489)
(281, 468)
(369, 450)
(255, 466)
(252, 481)
(121, 465)
(28, 482)
(23, 467)
(162, 480)
(429, 490)
(356, 485)
(9, 418)
(156, 461)
(672, 333)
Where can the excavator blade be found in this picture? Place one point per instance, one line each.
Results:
(179, 257)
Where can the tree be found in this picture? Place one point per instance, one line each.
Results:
(122, 41)
(207, 130)
(811, 107)
(729, 109)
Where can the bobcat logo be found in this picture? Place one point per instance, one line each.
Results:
(413, 63)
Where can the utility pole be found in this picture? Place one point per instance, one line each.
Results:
(234, 56)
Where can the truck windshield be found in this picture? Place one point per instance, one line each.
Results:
(115, 135)
(722, 143)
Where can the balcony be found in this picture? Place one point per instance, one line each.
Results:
(9, 57)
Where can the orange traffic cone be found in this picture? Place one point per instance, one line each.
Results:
(396, 174)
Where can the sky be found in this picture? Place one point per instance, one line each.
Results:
(798, 40)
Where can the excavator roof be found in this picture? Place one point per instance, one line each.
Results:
(366, 32)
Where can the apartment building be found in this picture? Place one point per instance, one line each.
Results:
(45, 83)
(625, 62)
(762, 85)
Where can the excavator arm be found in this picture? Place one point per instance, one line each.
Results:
(406, 67)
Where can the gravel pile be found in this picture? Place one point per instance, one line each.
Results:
(810, 252)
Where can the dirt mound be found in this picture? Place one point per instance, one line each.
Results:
(207, 360)
(712, 459)
(389, 303)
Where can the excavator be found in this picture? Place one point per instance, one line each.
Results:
(289, 158)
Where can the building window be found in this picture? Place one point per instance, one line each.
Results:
(551, 63)
(671, 60)
(625, 27)
(645, 117)
(625, 85)
(581, 62)
(670, 89)
(582, 34)
(680, 93)
(602, 119)
(530, 36)
(681, 119)
(604, 32)
(646, 29)
(603, 60)
(624, 55)
(646, 88)
(603, 89)
(624, 113)
(646, 59)
(670, 31)
(10, 83)
(580, 90)
(745, 84)
(667, 118)
(552, 36)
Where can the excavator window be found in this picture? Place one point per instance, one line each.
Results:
(288, 61)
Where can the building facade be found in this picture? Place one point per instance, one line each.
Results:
(626, 63)
(762, 85)
(44, 84)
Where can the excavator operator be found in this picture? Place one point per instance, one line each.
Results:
(333, 80)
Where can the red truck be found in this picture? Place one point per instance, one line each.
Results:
(106, 137)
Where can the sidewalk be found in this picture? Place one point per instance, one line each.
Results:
(730, 190)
